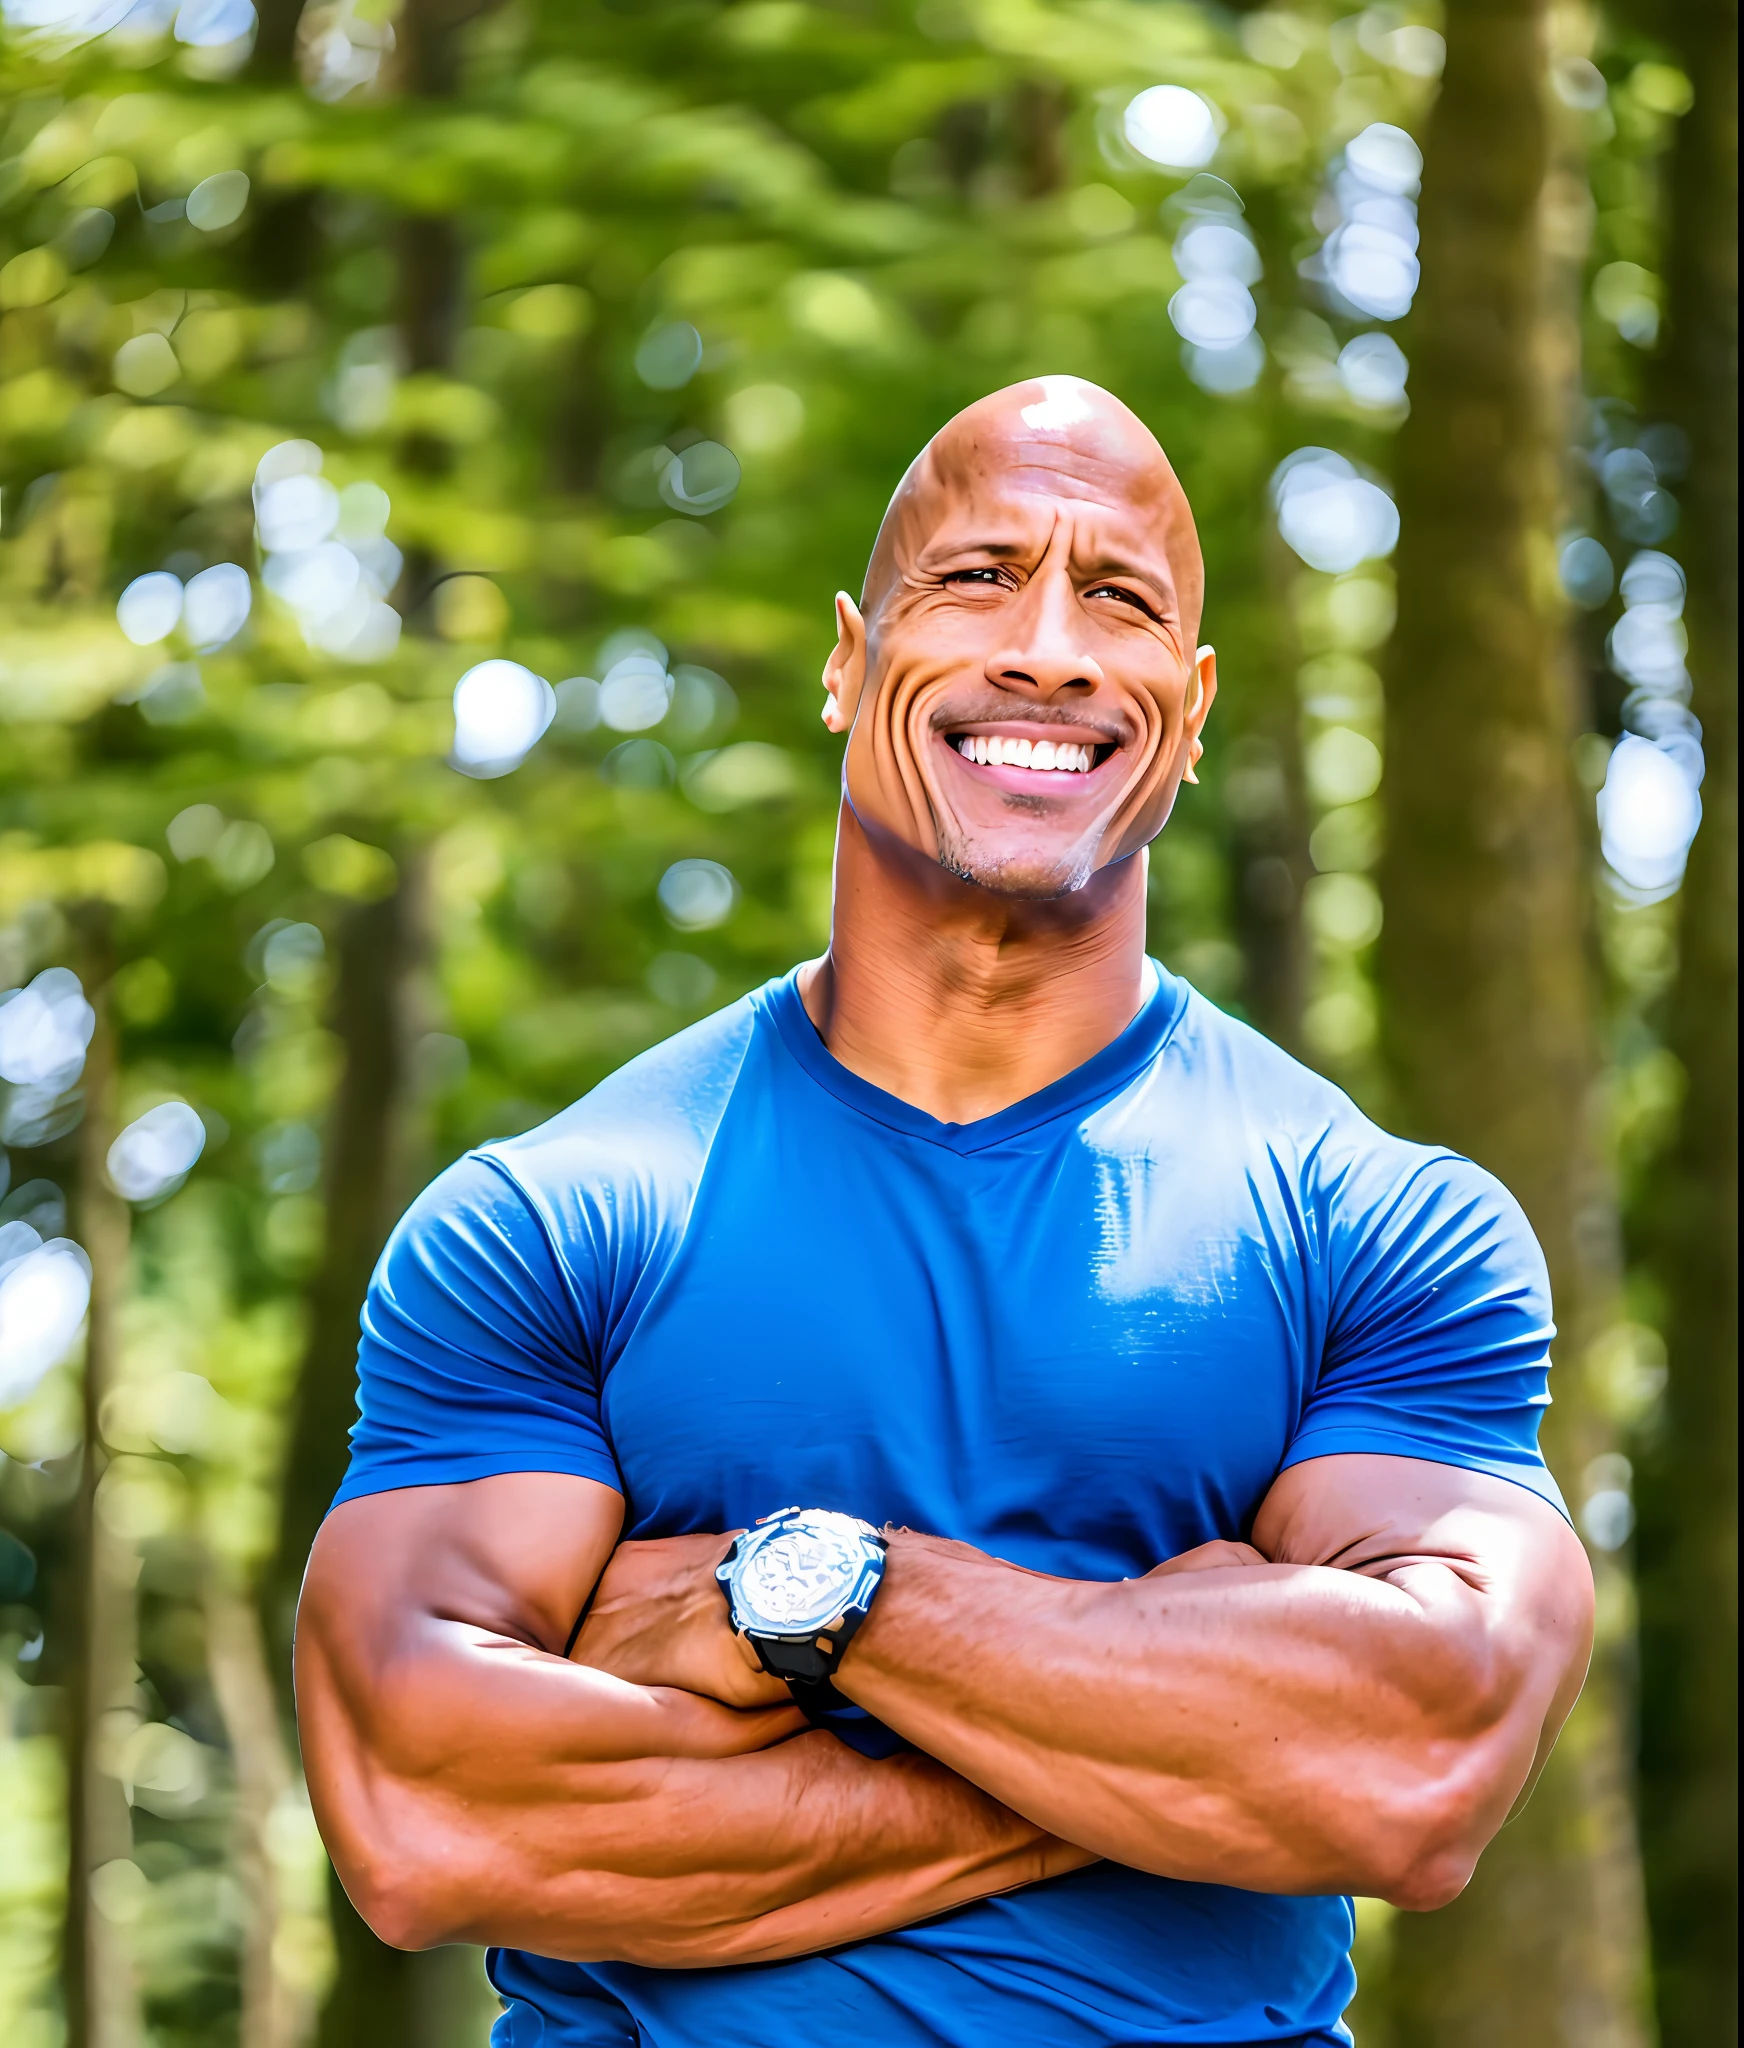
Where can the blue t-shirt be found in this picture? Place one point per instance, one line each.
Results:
(1084, 1334)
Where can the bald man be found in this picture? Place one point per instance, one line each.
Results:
(1050, 1491)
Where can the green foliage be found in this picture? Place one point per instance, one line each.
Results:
(523, 279)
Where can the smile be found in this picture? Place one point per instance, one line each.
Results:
(1041, 763)
(1059, 755)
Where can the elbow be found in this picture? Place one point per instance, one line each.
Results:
(1432, 1879)
(1426, 1848)
(380, 1847)
(397, 1909)
(403, 1900)
(1430, 1826)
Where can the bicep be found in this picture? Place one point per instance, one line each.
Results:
(514, 1557)
(518, 1552)
(1498, 1570)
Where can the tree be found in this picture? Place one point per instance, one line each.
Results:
(1487, 985)
(1689, 1222)
(509, 272)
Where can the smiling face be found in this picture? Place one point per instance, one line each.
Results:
(1024, 695)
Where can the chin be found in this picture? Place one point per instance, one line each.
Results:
(1039, 874)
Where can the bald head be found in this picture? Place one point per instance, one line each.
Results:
(1024, 691)
(1057, 437)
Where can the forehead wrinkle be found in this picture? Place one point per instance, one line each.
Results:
(997, 502)
(1047, 462)
(1026, 464)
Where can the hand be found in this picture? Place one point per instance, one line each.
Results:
(659, 1618)
(692, 1726)
(1215, 1556)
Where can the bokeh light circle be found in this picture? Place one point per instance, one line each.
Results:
(150, 608)
(1331, 516)
(156, 1152)
(501, 709)
(697, 895)
(44, 1293)
(1172, 126)
(1213, 312)
(1649, 811)
(216, 604)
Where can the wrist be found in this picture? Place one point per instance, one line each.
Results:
(798, 1586)
(903, 1552)
(935, 1597)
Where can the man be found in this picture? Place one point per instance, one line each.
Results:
(1222, 1577)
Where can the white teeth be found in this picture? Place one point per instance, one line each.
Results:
(1042, 757)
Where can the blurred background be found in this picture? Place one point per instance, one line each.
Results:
(431, 434)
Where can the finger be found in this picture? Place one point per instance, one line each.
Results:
(1208, 1557)
(756, 1689)
(706, 1728)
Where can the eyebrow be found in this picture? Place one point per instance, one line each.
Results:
(1001, 550)
(1007, 550)
(933, 553)
(1112, 565)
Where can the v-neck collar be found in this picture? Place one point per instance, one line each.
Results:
(1102, 1075)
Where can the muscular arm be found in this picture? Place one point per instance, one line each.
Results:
(1352, 1704)
(472, 1785)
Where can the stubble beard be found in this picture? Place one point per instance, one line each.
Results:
(1027, 875)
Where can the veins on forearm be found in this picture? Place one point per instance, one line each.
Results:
(798, 1849)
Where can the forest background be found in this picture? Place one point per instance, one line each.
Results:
(430, 437)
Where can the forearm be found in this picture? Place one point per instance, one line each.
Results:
(752, 1859)
(503, 1796)
(1279, 1727)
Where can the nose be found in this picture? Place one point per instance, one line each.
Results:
(1042, 654)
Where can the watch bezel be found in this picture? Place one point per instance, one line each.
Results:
(850, 1598)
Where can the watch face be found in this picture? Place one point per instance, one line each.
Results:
(801, 1576)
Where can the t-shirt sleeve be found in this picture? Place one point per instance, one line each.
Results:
(479, 1345)
(1438, 1321)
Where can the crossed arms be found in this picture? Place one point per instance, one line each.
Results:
(1352, 1703)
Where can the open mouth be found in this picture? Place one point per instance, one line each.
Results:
(1039, 762)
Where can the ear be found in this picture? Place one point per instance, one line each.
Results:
(1199, 698)
(845, 671)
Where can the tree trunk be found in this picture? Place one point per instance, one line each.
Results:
(1688, 1489)
(1269, 845)
(275, 40)
(377, 1999)
(277, 2012)
(99, 1982)
(1488, 994)
(366, 1186)
(380, 950)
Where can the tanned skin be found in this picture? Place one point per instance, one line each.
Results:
(1352, 1702)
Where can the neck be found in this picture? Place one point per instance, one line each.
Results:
(961, 1001)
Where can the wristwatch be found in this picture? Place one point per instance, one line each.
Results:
(798, 1585)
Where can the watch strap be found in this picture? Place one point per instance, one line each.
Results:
(806, 1667)
(825, 1708)
(807, 1662)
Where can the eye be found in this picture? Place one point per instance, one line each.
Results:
(975, 576)
(1118, 590)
